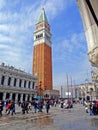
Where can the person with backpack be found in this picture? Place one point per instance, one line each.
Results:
(8, 107)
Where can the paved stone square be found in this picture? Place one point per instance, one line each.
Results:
(57, 119)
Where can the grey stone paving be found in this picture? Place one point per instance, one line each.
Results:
(57, 119)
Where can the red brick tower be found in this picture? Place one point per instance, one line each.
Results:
(42, 53)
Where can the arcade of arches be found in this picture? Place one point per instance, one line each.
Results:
(16, 85)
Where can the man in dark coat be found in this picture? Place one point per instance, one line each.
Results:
(1, 108)
(47, 106)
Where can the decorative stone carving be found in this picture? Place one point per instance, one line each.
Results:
(89, 13)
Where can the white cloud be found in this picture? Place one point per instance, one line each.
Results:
(2, 3)
(54, 7)
(4, 39)
(70, 55)
(15, 32)
(70, 45)
(2, 46)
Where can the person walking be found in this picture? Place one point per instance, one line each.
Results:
(12, 107)
(23, 107)
(91, 109)
(29, 106)
(62, 104)
(40, 106)
(1, 108)
(8, 107)
(35, 106)
(94, 109)
(47, 106)
(55, 103)
(26, 107)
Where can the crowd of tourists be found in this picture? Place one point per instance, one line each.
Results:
(91, 107)
(9, 107)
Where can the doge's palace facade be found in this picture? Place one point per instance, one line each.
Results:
(16, 84)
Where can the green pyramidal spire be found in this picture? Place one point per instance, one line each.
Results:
(43, 17)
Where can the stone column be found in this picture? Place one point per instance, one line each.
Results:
(17, 84)
(30, 97)
(31, 85)
(12, 81)
(6, 81)
(10, 96)
(26, 97)
(22, 85)
(21, 99)
(16, 97)
(27, 84)
(4, 96)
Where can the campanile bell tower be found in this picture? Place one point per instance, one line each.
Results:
(42, 53)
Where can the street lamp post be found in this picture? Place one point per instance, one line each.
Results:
(91, 92)
(86, 89)
(61, 92)
(71, 89)
(68, 87)
(40, 90)
(40, 103)
(86, 84)
(45, 92)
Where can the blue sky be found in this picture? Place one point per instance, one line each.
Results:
(69, 46)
